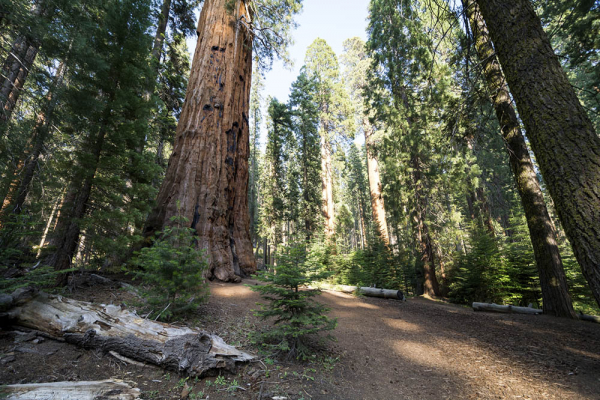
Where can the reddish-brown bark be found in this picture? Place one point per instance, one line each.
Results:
(207, 177)
(377, 203)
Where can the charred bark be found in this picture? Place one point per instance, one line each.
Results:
(207, 176)
(555, 294)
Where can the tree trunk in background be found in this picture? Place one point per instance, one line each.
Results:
(555, 294)
(14, 73)
(207, 177)
(377, 204)
(161, 29)
(19, 188)
(327, 185)
(431, 286)
(68, 228)
(477, 203)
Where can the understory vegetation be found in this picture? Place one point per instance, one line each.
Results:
(386, 166)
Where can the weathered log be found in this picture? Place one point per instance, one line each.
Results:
(111, 328)
(505, 309)
(384, 293)
(590, 318)
(367, 291)
(99, 390)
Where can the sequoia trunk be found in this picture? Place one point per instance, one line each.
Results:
(207, 176)
(562, 136)
(377, 204)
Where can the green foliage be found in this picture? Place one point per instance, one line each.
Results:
(479, 275)
(171, 271)
(501, 271)
(292, 308)
(271, 22)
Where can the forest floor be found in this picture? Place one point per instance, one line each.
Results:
(385, 349)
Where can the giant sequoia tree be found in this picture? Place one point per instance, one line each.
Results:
(334, 112)
(562, 136)
(357, 65)
(207, 177)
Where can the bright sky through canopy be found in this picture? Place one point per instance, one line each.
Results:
(332, 20)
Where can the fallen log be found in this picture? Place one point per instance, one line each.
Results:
(589, 318)
(367, 291)
(99, 390)
(112, 328)
(505, 309)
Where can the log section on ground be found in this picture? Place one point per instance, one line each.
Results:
(590, 318)
(505, 309)
(367, 291)
(111, 328)
(99, 390)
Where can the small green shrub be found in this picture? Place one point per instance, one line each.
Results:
(172, 271)
(296, 315)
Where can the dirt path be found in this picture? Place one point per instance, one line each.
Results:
(387, 349)
(422, 349)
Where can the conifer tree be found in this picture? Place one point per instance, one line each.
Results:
(334, 111)
(357, 63)
(561, 134)
(543, 235)
(305, 124)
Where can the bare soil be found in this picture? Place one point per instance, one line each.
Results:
(385, 349)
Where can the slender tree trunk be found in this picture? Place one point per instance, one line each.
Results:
(19, 188)
(562, 136)
(161, 29)
(327, 185)
(377, 203)
(362, 226)
(14, 73)
(431, 286)
(555, 293)
(207, 177)
(57, 203)
(68, 227)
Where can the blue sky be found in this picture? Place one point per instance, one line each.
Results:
(332, 20)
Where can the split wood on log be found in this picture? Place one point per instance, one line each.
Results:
(111, 328)
(505, 309)
(99, 390)
(368, 291)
